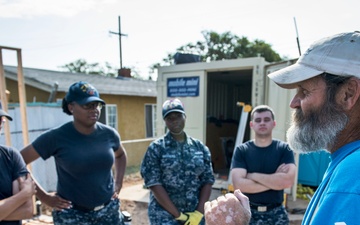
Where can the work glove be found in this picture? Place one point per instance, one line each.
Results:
(194, 218)
(182, 218)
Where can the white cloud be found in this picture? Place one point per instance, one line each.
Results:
(38, 8)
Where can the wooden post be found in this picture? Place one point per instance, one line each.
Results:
(4, 101)
(22, 101)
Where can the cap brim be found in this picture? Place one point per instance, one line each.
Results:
(3, 113)
(290, 76)
(90, 99)
(173, 110)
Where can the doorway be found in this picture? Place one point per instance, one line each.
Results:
(224, 90)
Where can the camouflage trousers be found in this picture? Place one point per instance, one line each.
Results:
(276, 216)
(110, 214)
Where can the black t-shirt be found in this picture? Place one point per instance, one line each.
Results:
(12, 166)
(83, 162)
(263, 160)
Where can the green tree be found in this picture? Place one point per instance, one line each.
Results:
(224, 46)
(82, 66)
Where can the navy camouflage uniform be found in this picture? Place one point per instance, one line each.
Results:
(110, 214)
(182, 169)
(276, 216)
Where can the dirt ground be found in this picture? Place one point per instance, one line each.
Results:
(138, 210)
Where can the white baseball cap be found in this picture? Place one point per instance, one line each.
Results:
(338, 55)
(172, 105)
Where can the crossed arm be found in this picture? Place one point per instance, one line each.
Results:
(19, 206)
(260, 182)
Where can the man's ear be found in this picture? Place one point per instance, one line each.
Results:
(349, 93)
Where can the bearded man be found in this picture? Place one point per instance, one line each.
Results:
(327, 117)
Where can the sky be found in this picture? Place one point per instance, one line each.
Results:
(52, 33)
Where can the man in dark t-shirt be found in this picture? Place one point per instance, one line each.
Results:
(262, 168)
(16, 186)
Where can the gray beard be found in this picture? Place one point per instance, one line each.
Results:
(318, 130)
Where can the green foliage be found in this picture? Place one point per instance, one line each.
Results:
(82, 66)
(224, 46)
(304, 193)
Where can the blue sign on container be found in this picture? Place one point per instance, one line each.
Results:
(183, 87)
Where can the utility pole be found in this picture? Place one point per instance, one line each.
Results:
(120, 34)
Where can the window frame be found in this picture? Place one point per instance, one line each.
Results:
(153, 120)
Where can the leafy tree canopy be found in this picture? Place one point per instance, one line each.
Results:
(224, 46)
(82, 66)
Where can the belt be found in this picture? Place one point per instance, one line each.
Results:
(90, 209)
(264, 207)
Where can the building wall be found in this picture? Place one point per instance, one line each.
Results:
(131, 109)
(131, 114)
(32, 94)
(135, 150)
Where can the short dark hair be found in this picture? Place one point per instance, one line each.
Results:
(263, 108)
(65, 108)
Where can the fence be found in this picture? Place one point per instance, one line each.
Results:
(44, 116)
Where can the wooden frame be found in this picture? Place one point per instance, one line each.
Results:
(22, 95)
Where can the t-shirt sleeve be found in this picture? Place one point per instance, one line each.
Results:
(18, 165)
(44, 145)
(288, 156)
(117, 140)
(238, 160)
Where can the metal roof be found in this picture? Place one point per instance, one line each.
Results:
(45, 80)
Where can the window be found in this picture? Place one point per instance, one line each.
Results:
(109, 116)
(150, 118)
